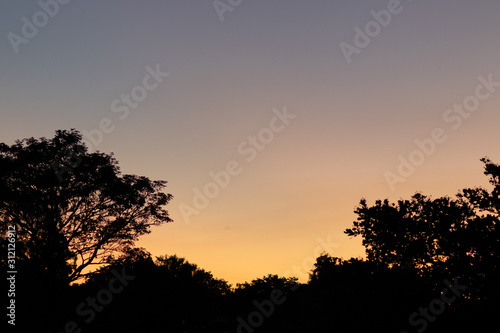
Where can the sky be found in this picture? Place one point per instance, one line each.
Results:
(270, 120)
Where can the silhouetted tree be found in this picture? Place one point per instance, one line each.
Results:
(421, 233)
(483, 241)
(264, 286)
(168, 293)
(438, 238)
(183, 270)
(73, 208)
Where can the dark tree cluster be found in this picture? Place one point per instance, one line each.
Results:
(432, 264)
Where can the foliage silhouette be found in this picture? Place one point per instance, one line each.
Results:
(84, 211)
(168, 292)
(65, 226)
(71, 209)
(437, 238)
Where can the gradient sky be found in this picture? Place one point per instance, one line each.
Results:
(353, 120)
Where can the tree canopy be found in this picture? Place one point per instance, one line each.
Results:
(437, 237)
(73, 208)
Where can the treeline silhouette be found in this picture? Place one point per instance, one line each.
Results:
(431, 265)
(170, 294)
